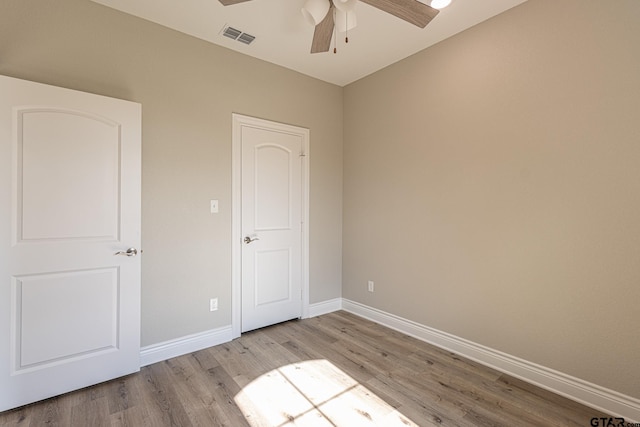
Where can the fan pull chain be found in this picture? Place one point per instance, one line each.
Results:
(346, 26)
(335, 33)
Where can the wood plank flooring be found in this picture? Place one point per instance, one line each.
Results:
(332, 370)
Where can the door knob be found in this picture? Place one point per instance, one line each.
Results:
(248, 239)
(128, 252)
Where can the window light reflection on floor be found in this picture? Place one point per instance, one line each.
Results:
(314, 393)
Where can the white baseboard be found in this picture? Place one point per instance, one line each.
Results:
(325, 307)
(595, 396)
(184, 345)
(190, 343)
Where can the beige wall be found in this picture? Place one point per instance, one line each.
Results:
(188, 90)
(492, 187)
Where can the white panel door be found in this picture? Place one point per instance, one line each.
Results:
(272, 223)
(69, 202)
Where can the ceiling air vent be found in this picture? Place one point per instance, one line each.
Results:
(246, 38)
(231, 32)
(237, 35)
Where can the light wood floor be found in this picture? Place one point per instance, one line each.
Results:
(334, 370)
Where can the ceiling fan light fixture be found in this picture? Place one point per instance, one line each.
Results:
(315, 10)
(345, 21)
(346, 5)
(440, 4)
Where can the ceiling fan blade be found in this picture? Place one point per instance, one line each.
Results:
(411, 11)
(230, 2)
(323, 33)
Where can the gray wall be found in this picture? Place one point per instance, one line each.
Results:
(188, 90)
(492, 187)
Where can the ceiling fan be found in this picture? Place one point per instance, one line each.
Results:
(322, 12)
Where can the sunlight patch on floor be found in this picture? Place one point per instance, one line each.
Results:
(314, 393)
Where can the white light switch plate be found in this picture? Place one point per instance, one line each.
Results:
(214, 206)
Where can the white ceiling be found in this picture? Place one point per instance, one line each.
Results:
(283, 36)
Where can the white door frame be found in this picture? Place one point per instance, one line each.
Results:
(240, 121)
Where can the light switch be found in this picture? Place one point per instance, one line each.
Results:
(214, 206)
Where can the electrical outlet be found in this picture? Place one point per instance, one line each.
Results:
(213, 304)
(370, 285)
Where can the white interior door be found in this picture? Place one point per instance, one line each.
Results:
(273, 158)
(69, 201)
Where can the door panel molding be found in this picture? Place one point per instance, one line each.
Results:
(95, 297)
(38, 167)
(240, 122)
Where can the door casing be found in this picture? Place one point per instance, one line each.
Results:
(239, 121)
